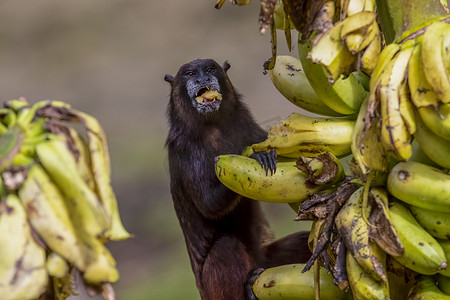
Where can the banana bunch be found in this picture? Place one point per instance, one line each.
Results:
(409, 91)
(57, 184)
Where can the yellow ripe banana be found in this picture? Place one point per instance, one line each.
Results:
(48, 213)
(445, 244)
(101, 169)
(435, 147)
(433, 61)
(301, 135)
(246, 177)
(423, 254)
(384, 58)
(435, 222)
(56, 265)
(331, 52)
(289, 282)
(355, 232)
(395, 135)
(437, 119)
(358, 30)
(362, 284)
(60, 164)
(344, 96)
(290, 80)
(22, 260)
(369, 58)
(422, 93)
(426, 289)
(420, 185)
(365, 142)
(444, 284)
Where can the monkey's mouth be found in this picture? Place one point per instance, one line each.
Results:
(207, 96)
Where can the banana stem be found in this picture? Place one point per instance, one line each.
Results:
(399, 18)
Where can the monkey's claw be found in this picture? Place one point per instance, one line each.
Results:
(267, 160)
(251, 278)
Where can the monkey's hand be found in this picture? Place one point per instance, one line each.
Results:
(267, 160)
(251, 278)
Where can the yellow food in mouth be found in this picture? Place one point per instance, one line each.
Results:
(209, 96)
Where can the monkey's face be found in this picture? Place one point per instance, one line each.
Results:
(201, 79)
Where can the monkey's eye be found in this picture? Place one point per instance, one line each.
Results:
(189, 74)
(210, 70)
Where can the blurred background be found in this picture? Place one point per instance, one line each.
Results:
(108, 58)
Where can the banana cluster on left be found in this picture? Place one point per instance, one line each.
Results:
(57, 205)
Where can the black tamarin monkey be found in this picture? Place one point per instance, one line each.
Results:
(227, 235)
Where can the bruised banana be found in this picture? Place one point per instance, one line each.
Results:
(344, 96)
(355, 232)
(22, 260)
(426, 289)
(301, 135)
(423, 254)
(60, 164)
(290, 80)
(365, 143)
(49, 216)
(288, 184)
(435, 147)
(289, 282)
(363, 285)
(397, 124)
(435, 222)
(420, 185)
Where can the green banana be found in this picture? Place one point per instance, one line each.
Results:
(344, 96)
(445, 244)
(437, 119)
(435, 147)
(435, 222)
(418, 155)
(426, 289)
(22, 260)
(289, 282)
(60, 164)
(10, 142)
(423, 254)
(362, 284)
(301, 135)
(288, 184)
(432, 57)
(420, 185)
(288, 77)
(355, 232)
(444, 284)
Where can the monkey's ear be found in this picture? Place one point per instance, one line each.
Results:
(226, 66)
(169, 78)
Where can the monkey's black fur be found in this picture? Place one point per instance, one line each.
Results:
(226, 235)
